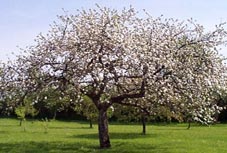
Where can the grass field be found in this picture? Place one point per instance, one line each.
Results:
(76, 137)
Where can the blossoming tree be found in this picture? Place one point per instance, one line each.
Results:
(114, 57)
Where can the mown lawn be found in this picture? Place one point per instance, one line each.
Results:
(69, 137)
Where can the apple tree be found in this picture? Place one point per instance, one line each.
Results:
(121, 56)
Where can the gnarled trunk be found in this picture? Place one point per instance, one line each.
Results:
(103, 129)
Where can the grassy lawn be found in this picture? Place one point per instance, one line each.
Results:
(69, 137)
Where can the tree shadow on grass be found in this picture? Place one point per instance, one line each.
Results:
(4, 132)
(45, 147)
(76, 147)
(70, 128)
(9, 125)
(116, 136)
(173, 129)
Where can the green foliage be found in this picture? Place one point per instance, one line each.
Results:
(27, 109)
(126, 113)
(87, 108)
(20, 112)
(165, 114)
(54, 100)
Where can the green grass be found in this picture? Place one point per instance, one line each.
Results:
(69, 137)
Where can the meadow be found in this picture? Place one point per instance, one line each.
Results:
(76, 137)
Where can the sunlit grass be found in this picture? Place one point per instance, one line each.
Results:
(69, 137)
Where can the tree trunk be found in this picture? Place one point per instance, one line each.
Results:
(91, 125)
(143, 123)
(21, 120)
(55, 114)
(104, 139)
(189, 124)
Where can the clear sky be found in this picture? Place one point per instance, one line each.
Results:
(22, 20)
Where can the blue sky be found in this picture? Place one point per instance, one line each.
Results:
(22, 20)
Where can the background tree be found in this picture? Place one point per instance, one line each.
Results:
(54, 100)
(119, 56)
(11, 93)
(24, 110)
(86, 108)
(132, 114)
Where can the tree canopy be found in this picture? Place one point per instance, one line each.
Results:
(117, 57)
